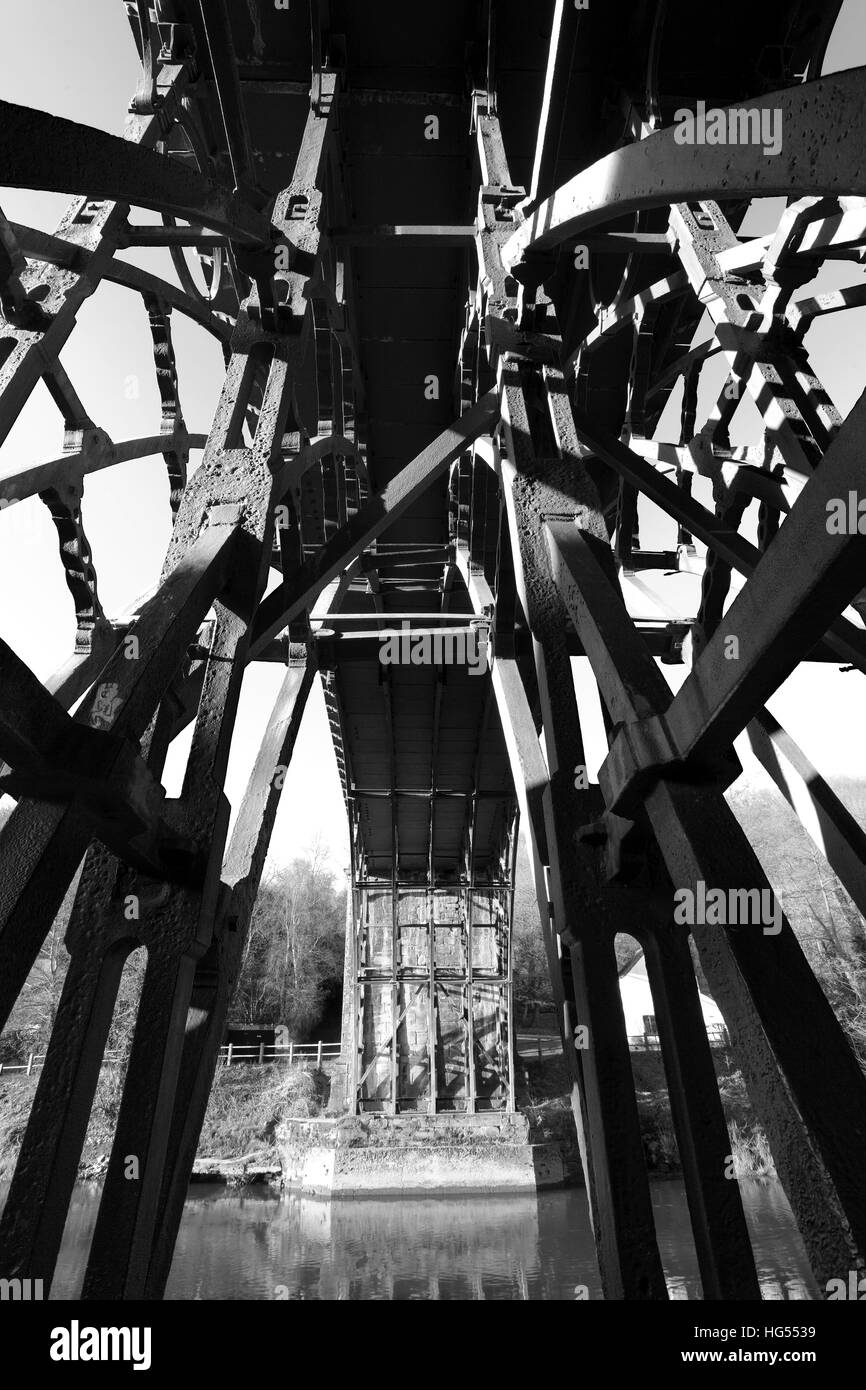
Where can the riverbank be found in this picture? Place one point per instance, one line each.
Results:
(239, 1144)
(543, 1094)
(238, 1136)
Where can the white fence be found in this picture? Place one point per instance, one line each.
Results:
(33, 1062)
(295, 1054)
(717, 1035)
(303, 1054)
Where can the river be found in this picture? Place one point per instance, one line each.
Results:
(264, 1246)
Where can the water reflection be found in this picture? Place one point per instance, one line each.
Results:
(261, 1246)
(302, 1247)
(780, 1258)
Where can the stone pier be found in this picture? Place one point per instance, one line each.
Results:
(389, 1154)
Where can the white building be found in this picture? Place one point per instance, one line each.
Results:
(639, 1010)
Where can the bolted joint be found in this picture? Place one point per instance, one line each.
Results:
(177, 44)
(622, 844)
(534, 269)
(112, 784)
(268, 266)
(17, 308)
(643, 752)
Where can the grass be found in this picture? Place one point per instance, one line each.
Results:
(543, 1092)
(246, 1104)
(16, 1095)
(750, 1152)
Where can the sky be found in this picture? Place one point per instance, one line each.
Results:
(126, 512)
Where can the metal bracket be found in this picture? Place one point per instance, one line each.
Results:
(178, 45)
(147, 99)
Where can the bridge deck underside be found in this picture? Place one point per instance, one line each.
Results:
(425, 769)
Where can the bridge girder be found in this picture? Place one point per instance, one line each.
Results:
(519, 511)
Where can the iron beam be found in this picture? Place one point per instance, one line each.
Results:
(299, 590)
(659, 170)
(844, 638)
(768, 629)
(700, 840)
(38, 150)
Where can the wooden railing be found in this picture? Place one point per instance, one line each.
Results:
(295, 1054)
(34, 1061)
(302, 1054)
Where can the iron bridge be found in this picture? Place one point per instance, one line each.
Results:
(461, 264)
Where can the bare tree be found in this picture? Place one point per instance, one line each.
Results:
(294, 956)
